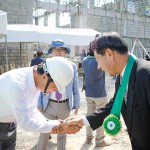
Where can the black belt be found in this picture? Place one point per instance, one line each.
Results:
(5, 125)
(60, 101)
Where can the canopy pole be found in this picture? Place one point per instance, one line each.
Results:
(20, 53)
(144, 48)
(6, 48)
(133, 46)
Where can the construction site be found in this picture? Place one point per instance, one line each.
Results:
(130, 18)
(31, 25)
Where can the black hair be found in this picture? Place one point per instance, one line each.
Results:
(113, 41)
(39, 53)
(97, 35)
(41, 71)
(90, 52)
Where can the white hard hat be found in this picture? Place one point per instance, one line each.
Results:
(60, 70)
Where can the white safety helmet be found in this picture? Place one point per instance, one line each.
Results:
(60, 70)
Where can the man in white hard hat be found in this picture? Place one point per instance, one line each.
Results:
(19, 91)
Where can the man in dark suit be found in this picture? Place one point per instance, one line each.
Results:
(111, 52)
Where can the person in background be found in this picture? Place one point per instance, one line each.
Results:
(58, 106)
(89, 51)
(19, 92)
(95, 92)
(38, 59)
(82, 56)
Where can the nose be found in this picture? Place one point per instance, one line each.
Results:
(58, 51)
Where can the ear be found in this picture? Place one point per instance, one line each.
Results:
(110, 53)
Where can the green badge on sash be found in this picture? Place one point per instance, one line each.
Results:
(112, 123)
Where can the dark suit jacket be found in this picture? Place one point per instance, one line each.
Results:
(136, 113)
(37, 60)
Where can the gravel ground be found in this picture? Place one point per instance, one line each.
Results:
(28, 140)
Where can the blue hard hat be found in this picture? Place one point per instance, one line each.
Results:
(58, 43)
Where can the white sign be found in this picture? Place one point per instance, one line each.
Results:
(147, 10)
(131, 7)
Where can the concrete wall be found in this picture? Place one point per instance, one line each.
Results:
(18, 11)
(15, 55)
(130, 26)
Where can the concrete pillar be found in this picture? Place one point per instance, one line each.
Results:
(125, 27)
(83, 14)
(57, 19)
(46, 19)
(91, 3)
(72, 53)
(36, 21)
(123, 5)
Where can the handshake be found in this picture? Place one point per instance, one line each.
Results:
(70, 126)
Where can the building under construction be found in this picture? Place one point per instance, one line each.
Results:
(130, 18)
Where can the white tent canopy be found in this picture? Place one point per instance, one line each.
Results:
(3, 24)
(32, 33)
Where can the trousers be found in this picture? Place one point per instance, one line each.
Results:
(92, 105)
(54, 111)
(7, 136)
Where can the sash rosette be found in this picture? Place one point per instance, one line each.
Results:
(112, 125)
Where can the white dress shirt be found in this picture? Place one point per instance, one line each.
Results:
(18, 101)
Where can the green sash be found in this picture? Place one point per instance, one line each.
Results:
(112, 123)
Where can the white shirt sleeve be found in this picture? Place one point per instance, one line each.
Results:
(29, 118)
(86, 122)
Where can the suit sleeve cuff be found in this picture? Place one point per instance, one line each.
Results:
(86, 122)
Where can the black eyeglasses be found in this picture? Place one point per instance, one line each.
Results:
(47, 84)
(49, 78)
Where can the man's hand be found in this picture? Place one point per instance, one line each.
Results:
(71, 129)
(75, 122)
(70, 126)
(57, 129)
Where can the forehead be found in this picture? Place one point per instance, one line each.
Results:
(58, 47)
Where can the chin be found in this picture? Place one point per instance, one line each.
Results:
(111, 75)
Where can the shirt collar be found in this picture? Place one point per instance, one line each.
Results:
(122, 73)
(30, 79)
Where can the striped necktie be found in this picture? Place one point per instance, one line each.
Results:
(126, 93)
